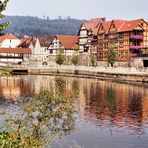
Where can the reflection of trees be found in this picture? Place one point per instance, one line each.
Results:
(40, 119)
(75, 87)
(60, 85)
(112, 104)
(111, 101)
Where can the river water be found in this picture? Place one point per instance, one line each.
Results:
(110, 115)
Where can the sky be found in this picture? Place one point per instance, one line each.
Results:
(80, 9)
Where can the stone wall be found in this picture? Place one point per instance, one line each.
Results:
(114, 74)
(138, 61)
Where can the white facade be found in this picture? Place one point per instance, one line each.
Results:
(10, 43)
(55, 45)
(38, 53)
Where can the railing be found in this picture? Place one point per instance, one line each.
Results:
(137, 37)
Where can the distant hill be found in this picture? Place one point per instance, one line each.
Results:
(26, 25)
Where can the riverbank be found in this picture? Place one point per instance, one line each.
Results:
(118, 74)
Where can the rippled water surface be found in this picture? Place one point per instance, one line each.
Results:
(110, 115)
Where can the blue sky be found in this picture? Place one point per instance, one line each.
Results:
(80, 9)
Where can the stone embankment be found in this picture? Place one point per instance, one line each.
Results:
(120, 74)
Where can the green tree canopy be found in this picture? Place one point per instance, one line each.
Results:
(111, 55)
(40, 119)
(3, 4)
(60, 58)
(75, 58)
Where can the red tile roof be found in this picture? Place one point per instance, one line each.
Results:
(130, 25)
(7, 36)
(16, 50)
(118, 23)
(121, 25)
(44, 41)
(106, 26)
(26, 41)
(93, 25)
(69, 42)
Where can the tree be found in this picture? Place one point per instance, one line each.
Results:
(111, 55)
(75, 59)
(40, 120)
(92, 59)
(60, 58)
(3, 4)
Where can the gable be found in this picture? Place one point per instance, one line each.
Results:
(143, 24)
(113, 28)
(138, 28)
(101, 29)
(37, 44)
(83, 27)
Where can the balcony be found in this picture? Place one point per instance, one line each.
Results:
(94, 40)
(135, 47)
(136, 37)
(135, 55)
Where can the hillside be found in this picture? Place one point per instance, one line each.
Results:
(26, 25)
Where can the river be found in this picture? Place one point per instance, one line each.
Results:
(110, 114)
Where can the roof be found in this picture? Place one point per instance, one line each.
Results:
(121, 25)
(45, 40)
(130, 25)
(106, 26)
(26, 41)
(118, 24)
(7, 36)
(16, 50)
(68, 42)
(93, 25)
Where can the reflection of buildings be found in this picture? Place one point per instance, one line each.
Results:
(103, 103)
(113, 104)
(14, 86)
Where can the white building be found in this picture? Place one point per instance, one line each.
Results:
(38, 46)
(9, 41)
(14, 55)
(68, 43)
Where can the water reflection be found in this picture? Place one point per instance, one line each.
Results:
(117, 107)
(113, 104)
(40, 118)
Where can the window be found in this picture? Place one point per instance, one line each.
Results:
(83, 32)
(121, 44)
(51, 51)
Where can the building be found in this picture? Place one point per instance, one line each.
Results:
(88, 39)
(38, 47)
(129, 40)
(65, 42)
(14, 55)
(88, 33)
(9, 41)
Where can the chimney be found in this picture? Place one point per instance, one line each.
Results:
(103, 19)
